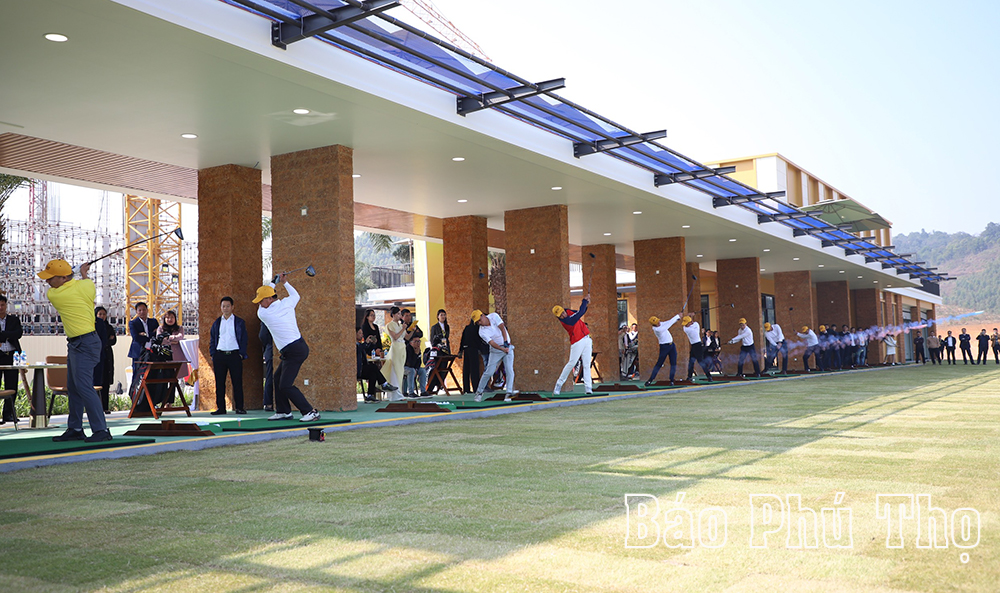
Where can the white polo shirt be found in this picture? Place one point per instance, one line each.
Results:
(809, 337)
(279, 318)
(745, 337)
(693, 333)
(662, 331)
(774, 335)
(492, 331)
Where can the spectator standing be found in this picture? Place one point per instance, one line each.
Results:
(173, 336)
(10, 336)
(104, 372)
(918, 348)
(472, 348)
(397, 350)
(965, 345)
(228, 349)
(934, 348)
(984, 346)
(141, 328)
(267, 345)
(995, 340)
(949, 345)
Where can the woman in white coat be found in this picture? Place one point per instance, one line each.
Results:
(890, 350)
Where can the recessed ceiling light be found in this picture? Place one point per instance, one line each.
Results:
(189, 136)
(57, 37)
(795, 259)
(637, 212)
(766, 250)
(860, 277)
(300, 111)
(458, 159)
(763, 270)
(699, 255)
(685, 226)
(843, 271)
(355, 176)
(889, 285)
(462, 201)
(732, 240)
(875, 281)
(607, 234)
(557, 188)
(822, 266)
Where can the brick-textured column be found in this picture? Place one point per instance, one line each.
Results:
(694, 288)
(537, 259)
(312, 203)
(793, 307)
(229, 208)
(834, 299)
(868, 314)
(738, 282)
(661, 285)
(466, 271)
(602, 314)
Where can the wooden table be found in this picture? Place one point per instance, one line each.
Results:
(36, 390)
(172, 384)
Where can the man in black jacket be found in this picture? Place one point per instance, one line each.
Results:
(918, 348)
(984, 346)
(141, 328)
(267, 344)
(949, 343)
(10, 334)
(965, 345)
(473, 350)
(228, 349)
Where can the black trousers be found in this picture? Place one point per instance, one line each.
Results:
(371, 373)
(665, 351)
(983, 355)
(269, 375)
(9, 379)
(472, 370)
(285, 391)
(750, 351)
(950, 355)
(772, 353)
(967, 352)
(919, 355)
(231, 363)
(935, 355)
(697, 354)
(996, 354)
(811, 351)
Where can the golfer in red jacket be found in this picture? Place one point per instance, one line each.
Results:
(581, 346)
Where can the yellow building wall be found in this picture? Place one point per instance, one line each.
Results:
(428, 280)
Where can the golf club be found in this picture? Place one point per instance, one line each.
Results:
(690, 290)
(310, 271)
(733, 305)
(176, 231)
(593, 259)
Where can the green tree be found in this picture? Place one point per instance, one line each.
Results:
(8, 185)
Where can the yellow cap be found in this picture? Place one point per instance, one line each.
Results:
(558, 311)
(686, 320)
(822, 328)
(263, 292)
(767, 326)
(654, 320)
(743, 320)
(476, 315)
(805, 328)
(56, 267)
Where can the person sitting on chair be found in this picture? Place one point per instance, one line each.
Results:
(367, 370)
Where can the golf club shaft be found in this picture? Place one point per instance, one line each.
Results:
(690, 290)
(93, 261)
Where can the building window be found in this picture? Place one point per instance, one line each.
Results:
(622, 311)
(767, 307)
(706, 317)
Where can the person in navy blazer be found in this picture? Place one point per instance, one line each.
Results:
(10, 335)
(141, 328)
(228, 348)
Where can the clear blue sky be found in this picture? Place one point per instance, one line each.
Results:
(893, 103)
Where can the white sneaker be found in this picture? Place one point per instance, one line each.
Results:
(280, 416)
(478, 398)
(508, 398)
(314, 415)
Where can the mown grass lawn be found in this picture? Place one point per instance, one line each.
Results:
(535, 502)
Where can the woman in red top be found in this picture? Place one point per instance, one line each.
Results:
(581, 346)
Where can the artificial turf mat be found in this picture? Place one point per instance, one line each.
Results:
(473, 405)
(46, 446)
(263, 424)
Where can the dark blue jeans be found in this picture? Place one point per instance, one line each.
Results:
(665, 351)
(82, 355)
(285, 391)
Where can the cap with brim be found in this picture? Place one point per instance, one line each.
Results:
(805, 328)
(264, 292)
(56, 267)
(822, 328)
(743, 320)
(476, 315)
(767, 326)
(654, 320)
(686, 320)
(558, 311)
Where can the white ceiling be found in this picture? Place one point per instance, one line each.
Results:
(131, 83)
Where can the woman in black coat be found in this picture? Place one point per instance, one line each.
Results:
(104, 372)
(472, 347)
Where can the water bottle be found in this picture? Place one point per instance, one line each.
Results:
(24, 358)
(17, 358)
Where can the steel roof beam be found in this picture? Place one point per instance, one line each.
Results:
(720, 201)
(472, 103)
(668, 178)
(762, 218)
(833, 227)
(584, 148)
(284, 34)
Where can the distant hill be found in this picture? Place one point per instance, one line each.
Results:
(975, 259)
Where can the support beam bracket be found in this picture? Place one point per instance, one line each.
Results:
(668, 178)
(718, 201)
(472, 103)
(284, 34)
(584, 148)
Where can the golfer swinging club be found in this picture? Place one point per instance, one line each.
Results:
(581, 345)
(279, 317)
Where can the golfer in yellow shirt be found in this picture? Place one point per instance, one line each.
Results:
(74, 301)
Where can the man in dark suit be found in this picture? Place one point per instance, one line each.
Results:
(472, 347)
(918, 347)
(10, 334)
(965, 345)
(949, 347)
(228, 349)
(141, 328)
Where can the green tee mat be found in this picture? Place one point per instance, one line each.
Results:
(474, 405)
(46, 446)
(263, 424)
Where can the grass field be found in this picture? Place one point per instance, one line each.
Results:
(535, 502)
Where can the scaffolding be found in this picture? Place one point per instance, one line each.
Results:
(154, 269)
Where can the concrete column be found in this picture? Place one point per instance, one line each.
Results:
(230, 262)
(602, 314)
(537, 259)
(834, 298)
(794, 307)
(661, 287)
(466, 270)
(868, 314)
(312, 203)
(739, 283)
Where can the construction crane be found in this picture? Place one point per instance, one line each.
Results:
(428, 13)
(154, 268)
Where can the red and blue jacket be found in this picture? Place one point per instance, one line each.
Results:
(572, 324)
